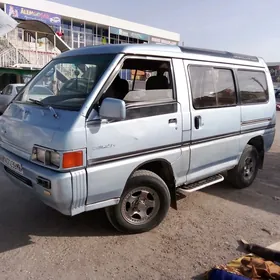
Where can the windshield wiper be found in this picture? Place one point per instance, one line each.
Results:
(37, 102)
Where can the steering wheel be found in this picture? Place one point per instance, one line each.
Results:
(70, 86)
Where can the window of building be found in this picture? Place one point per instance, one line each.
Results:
(253, 87)
(20, 34)
(212, 87)
(89, 39)
(132, 41)
(90, 29)
(66, 24)
(78, 26)
(142, 42)
(67, 37)
(123, 40)
(114, 39)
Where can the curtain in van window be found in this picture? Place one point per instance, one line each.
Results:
(212, 87)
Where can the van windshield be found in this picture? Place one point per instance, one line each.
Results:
(66, 83)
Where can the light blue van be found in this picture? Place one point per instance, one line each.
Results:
(128, 127)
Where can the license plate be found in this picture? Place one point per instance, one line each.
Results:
(17, 167)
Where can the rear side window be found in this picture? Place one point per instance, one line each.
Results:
(253, 87)
(212, 87)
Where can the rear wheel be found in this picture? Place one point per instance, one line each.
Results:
(244, 174)
(143, 204)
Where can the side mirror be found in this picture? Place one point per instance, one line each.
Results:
(1, 92)
(112, 109)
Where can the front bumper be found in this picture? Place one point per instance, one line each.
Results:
(67, 191)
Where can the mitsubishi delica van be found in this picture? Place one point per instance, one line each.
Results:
(129, 128)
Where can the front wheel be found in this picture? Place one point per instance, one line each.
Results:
(143, 204)
(244, 174)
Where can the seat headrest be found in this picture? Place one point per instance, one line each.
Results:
(157, 82)
(121, 88)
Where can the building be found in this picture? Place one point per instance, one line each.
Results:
(46, 29)
(274, 68)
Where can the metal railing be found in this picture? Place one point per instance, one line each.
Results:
(19, 48)
(10, 55)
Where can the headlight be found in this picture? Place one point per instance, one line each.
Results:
(55, 159)
(39, 154)
(46, 156)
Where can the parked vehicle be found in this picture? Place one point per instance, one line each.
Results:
(38, 92)
(101, 142)
(7, 95)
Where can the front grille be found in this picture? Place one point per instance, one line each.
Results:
(18, 176)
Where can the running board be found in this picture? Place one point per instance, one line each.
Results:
(201, 184)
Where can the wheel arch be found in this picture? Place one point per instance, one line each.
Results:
(258, 143)
(164, 170)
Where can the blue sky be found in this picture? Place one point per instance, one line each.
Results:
(246, 26)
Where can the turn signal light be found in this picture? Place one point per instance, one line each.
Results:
(72, 159)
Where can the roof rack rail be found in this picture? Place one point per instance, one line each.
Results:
(219, 53)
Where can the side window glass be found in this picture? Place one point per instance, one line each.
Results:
(7, 90)
(10, 90)
(142, 80)
(212, 87)
(253, 87)
(146, 86)
(202, 84)
(225, 87)
(148, 81)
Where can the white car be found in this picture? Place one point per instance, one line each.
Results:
(10, 91)
(40, 92)
(7, 95)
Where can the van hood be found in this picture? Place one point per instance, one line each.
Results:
(22, 126)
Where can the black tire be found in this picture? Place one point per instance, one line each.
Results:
(151, 189)
(242, 176)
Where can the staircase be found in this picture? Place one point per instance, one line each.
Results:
(10, 56)
(16, 52)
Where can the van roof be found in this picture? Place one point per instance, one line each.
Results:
(162, 50)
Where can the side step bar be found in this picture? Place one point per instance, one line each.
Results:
(201, 184)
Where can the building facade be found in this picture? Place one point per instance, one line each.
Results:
(81, 28)
(274, 68)
(47, 28)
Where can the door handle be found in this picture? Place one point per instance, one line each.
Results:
(197, 121)
(172, 121)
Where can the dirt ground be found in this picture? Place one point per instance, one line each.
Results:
(39, 243)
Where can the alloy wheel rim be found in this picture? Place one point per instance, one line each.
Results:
(140, 205)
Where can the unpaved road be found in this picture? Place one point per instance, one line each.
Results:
(39, 243)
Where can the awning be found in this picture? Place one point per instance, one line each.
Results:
(18, 71)
(44, 31)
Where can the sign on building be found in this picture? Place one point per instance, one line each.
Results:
(156, 40)
(18, 12)
(129, 34)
